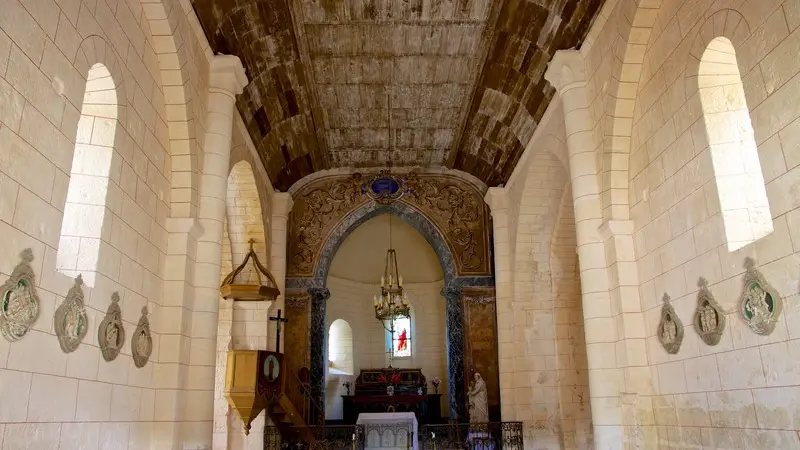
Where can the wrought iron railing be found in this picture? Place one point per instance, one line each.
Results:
(304, 401)
(329, 437)
(471, 436)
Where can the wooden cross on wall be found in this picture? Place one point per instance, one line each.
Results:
(280, 320)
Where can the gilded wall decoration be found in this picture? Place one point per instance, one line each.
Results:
(142, 342)
(760, 304)
(670, 328)
(70, 320)
(452, 205)
(709, 318)
(111, 333)
(20, 303)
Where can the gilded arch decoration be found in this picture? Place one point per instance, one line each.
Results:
(452, 205)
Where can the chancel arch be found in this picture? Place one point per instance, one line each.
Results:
(447, 211)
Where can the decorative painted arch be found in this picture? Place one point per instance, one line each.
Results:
(353, 210)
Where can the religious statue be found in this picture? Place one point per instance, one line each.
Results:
(670, 328)
(760, 304)
(70, 320)
(111, 333)
(709, 318)
(478, 401)
(141, 342)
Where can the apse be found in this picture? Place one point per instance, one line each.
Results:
(354, 277)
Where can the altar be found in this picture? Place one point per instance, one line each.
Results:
(389, 431)
(409, 396)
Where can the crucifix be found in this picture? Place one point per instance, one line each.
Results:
(279, 320)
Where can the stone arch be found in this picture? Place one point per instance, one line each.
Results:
(169, 24)
(451, 291)
(94, 174)
(621, 96)
(245, 217)
(407, 213)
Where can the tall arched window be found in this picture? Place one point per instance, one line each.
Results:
(85, 209)
(401, 337)
(737, 170)
(340, 348)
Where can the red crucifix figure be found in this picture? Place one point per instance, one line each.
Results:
(402, 341)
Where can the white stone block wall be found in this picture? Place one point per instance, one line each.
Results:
(352, 302)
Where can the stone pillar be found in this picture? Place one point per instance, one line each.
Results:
(496, 198)
(455, 351)
(317, 337)
(566, 72)
(168, 321)
(226, 80)
(281, 207)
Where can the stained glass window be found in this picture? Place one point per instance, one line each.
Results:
(401, 338)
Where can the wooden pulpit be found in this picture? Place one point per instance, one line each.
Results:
(241, 385)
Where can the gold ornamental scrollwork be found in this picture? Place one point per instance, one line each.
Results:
(451, 204)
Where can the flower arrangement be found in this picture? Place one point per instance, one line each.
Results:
(435, 381)
(347, 385)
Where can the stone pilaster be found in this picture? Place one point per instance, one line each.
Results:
(567, 73)
(281, 207)
(226, 80)
(496, 198)
(318, 335)
(168, 322)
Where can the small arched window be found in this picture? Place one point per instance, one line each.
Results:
(340, 348)
(737, 169)
(400, 338)
(89, 181)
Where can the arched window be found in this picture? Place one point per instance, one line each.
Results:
(89, 182)
(340, 348)
(400, 338)
(737, 170)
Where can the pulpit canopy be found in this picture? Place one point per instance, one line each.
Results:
(265, 290)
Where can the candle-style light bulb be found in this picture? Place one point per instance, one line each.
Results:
(390, 280)
(383, 280)
(375, 300)
(400, 281)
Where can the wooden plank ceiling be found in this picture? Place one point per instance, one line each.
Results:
(371, 83)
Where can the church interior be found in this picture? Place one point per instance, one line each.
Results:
(397, 224)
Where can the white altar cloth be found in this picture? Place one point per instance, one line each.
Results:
(389, 431)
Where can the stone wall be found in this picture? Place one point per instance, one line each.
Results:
(742, 390)
(47, 50)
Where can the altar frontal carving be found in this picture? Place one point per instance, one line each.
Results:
(453, 205)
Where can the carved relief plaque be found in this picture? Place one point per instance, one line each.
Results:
(70, 321)
(142, 342)
(709, 318)
(760, 304)
(19, 307)
(670, 328)
(111, 333)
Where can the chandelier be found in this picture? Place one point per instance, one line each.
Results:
(393, 302)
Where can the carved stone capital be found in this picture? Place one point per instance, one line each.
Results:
(566, 71)
(188, 225)
(450, 292)
(319, 294)
(496, 199)
(227, 74)
(282, 204)
(611, 228)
